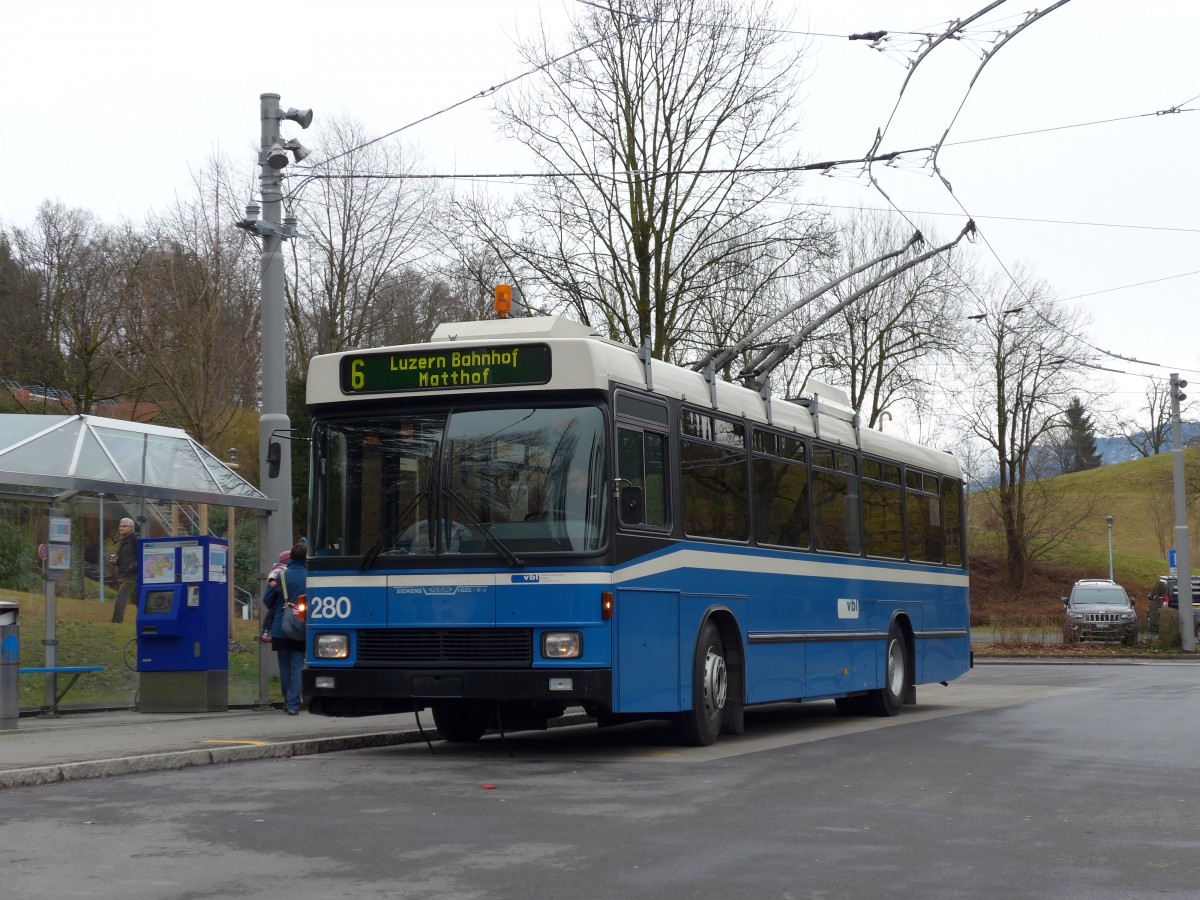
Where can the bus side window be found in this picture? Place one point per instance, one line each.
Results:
(642, 461)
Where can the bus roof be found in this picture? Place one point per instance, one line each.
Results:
(578, 359)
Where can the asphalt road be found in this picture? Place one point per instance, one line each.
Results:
(1017, 781)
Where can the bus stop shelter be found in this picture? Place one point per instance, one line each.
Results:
(51, 457)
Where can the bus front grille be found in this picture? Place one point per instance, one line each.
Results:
(449, 647)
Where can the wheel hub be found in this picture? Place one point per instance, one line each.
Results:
(896, 675)
(716, 683)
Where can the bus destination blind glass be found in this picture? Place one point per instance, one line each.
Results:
(447, 366)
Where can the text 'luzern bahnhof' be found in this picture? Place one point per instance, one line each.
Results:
(478, 367)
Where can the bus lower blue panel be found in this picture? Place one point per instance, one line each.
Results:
(646, 657)
(843, 666)
(942, 659)
(775, 672)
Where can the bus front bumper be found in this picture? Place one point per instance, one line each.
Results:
(357, 691)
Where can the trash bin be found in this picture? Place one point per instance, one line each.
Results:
(10, 652)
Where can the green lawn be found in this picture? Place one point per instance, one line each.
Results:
(87, 637)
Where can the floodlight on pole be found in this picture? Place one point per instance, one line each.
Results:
(277, 157)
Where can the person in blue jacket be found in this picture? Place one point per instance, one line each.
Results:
(291, 652)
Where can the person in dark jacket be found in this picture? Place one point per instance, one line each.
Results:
(126, 559)
(272, 584)
(291, 652)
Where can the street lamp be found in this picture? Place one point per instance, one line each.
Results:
(1109, 520)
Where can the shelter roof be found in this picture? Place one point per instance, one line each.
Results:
(93, 453)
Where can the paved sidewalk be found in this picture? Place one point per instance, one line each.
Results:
(93, 745)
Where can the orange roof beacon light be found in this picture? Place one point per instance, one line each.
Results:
(503, 300)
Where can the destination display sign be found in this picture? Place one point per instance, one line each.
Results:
(445, 366)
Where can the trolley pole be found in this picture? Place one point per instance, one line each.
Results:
(1183, 556)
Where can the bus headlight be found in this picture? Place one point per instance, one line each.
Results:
(331, 646)
(562, 645)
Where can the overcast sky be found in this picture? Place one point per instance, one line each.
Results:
(107, 105)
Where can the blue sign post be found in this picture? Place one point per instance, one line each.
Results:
(1171, 561)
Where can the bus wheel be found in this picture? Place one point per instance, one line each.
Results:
(699, 726)
(888, 700)
(461, 721)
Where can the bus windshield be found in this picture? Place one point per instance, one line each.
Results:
(496, 482)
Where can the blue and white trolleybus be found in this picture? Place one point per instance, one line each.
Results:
(519, 517)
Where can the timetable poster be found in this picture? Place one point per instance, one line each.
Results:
(217, 562)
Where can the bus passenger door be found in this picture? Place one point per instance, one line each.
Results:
(646, 662)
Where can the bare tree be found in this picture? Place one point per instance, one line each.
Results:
(368, 230)
(884, 346)
(1152, 434)
(27, 354)
(72, 261)
(660, 134)
(191, 309)
(1022, 367)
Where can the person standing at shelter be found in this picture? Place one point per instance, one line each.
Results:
(126, 560)
(291, 652)
(273, 585)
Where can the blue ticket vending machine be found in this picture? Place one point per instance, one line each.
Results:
(183, 625)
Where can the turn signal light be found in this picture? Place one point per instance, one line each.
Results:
(301, 606)
(606, 605)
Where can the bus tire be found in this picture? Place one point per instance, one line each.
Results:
(461, 721)
(888, 700)
(700, 725)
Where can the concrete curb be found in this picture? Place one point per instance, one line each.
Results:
(33, 776)
(181, 759)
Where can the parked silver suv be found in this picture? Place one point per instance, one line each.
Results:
(1099, 610)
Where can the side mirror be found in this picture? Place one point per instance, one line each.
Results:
(633, 505)
(274, 453)
(1066, 600)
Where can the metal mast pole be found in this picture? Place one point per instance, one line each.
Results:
(274, 379)
(1183, 555)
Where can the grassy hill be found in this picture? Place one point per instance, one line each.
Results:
(1137, 494)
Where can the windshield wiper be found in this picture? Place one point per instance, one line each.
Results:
(388, 536)
(497, 544)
